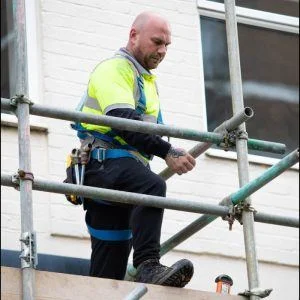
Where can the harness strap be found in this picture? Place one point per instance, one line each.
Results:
(110, 235)
(141, 103)
(83, 133)
(101, 154)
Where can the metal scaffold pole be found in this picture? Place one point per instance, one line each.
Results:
(28, 252)
(145, 127)
(97, 194)
(19, 67)
(241, 145)
(28, 246)
(137, 293)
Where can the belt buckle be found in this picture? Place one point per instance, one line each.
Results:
(100, 155)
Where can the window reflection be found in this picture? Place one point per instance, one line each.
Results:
(7, 41)
(270, 74)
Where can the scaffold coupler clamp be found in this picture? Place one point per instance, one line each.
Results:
(230, 217)
(234, 212)
(20, 98)
(21, 175)
(229, 140)
(238, 212)
(257, 292)
(247, 207)
(242, 135)
(28, 255)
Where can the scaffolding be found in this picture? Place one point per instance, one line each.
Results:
(229, 135)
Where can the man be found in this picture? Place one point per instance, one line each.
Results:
(123, 86)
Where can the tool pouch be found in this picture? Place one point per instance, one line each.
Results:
(76, 200)
(77, 159)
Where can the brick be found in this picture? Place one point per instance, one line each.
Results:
(91, 3)
(69, 62)
(67, 212)
(10, 207)
(10, 222)
(64, 87)
(71, 75)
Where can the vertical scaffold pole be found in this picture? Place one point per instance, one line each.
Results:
(241, 143)
(28, 253)
(19, 63)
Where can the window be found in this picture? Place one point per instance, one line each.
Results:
(7, 40)
(33, 56)
(269, 55)
(32, 61)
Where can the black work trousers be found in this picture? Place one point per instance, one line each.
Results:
(109, 258)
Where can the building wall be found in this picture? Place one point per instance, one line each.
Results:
(72, 38)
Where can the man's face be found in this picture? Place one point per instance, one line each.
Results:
(150, 44)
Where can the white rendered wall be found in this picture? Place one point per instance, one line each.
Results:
(74, 36)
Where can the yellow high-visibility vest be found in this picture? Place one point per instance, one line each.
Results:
(120, 82)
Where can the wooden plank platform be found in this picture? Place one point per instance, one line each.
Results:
(50, 286)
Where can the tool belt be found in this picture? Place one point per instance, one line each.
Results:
(77, 160)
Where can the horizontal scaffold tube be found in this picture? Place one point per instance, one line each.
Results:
(171, 203)
(237, 197)
(119, 123)
(132, 125)
(276, 220)
(120, 196)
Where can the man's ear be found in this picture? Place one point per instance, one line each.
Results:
(133, 35)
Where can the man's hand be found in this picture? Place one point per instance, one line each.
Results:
(179, 161)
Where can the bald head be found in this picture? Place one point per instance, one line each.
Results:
(150, 34)
(147, 19)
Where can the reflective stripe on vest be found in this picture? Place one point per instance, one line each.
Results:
(92, 103)
(149, 118)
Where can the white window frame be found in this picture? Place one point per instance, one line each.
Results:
(250, 17)
(34, 63)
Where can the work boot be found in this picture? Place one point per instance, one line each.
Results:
(178, 275)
